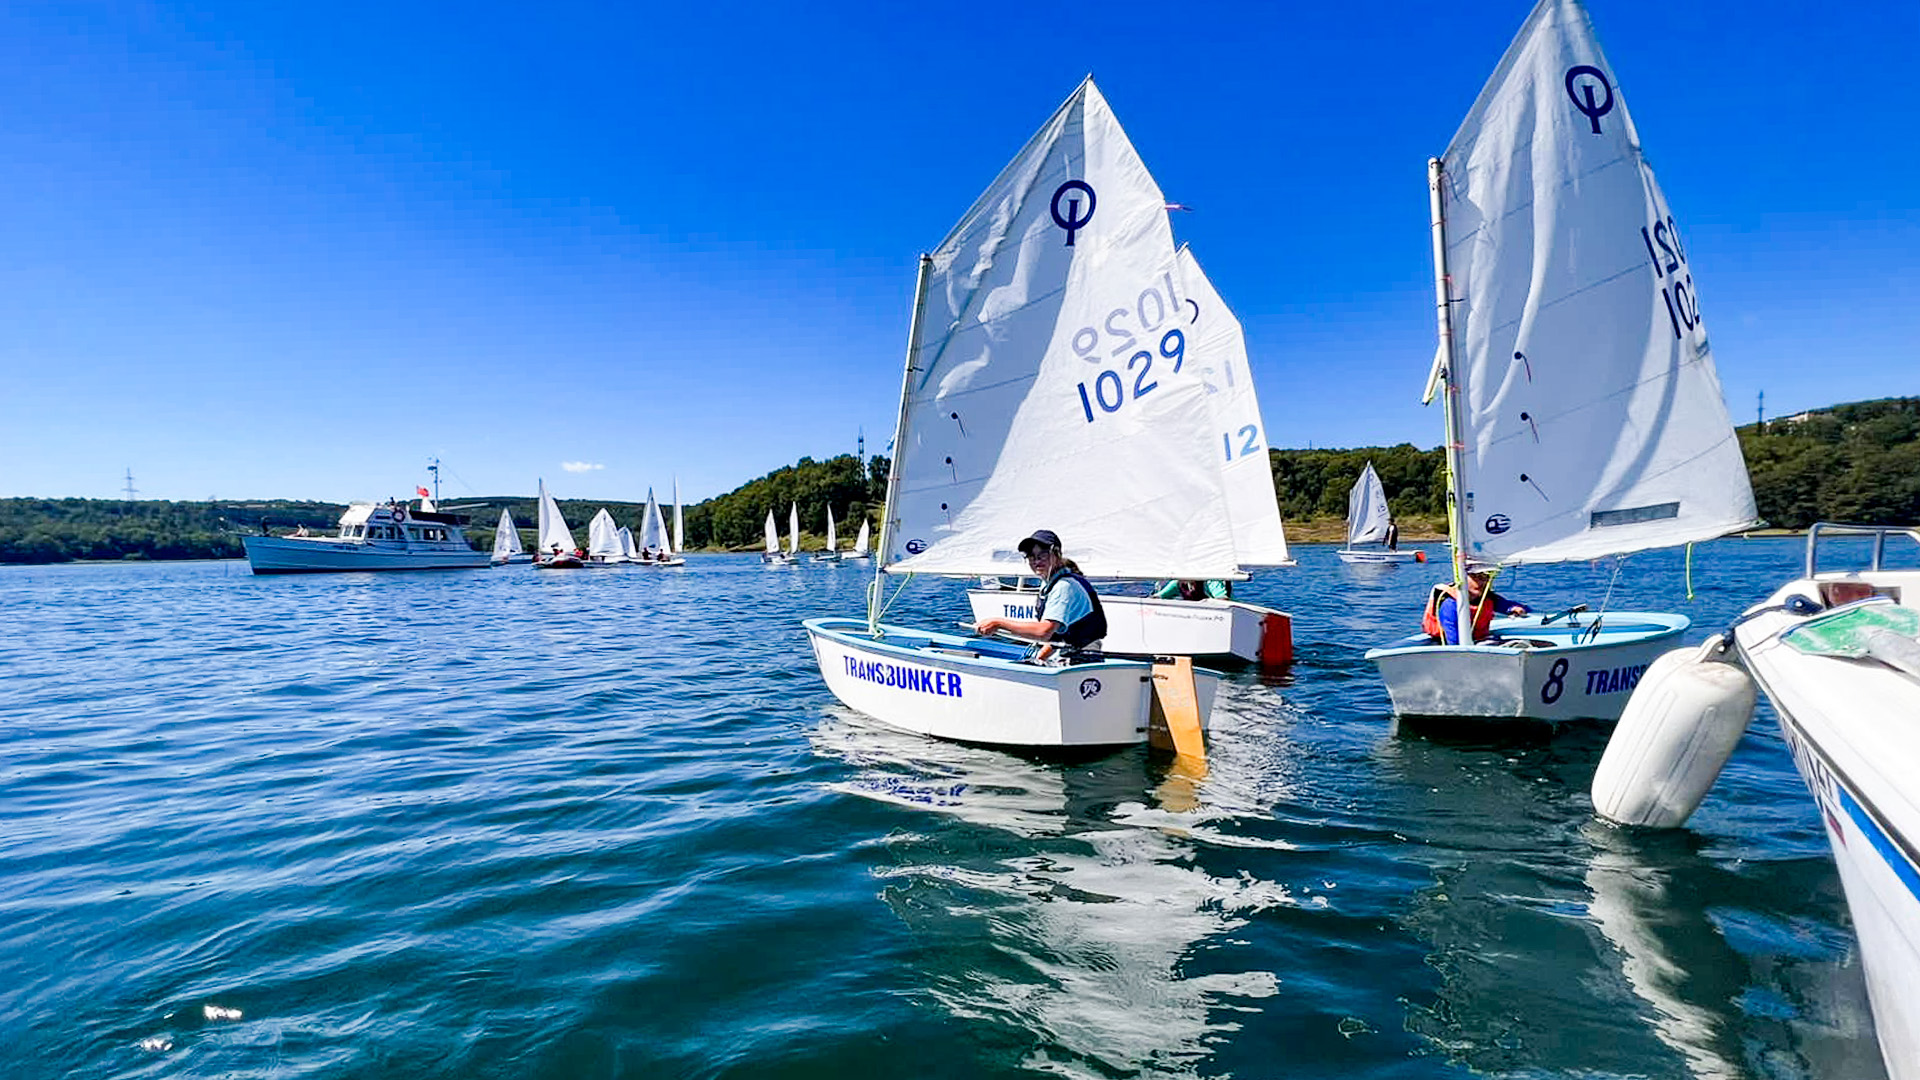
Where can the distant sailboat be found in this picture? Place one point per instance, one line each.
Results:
(773, 556)
(603, 541)
(656, 546)
(793, 533)
(1583, 412)
(557, 546)
(679, 522)
(1369, 520)
(833, 542)
(863, 544)
(506, 541)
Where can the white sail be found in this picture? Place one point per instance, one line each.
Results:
(506, 539)
(863, 542)
(1367, 516)
(833, 541)
(603, 537)
(1046, 383)
(553, 527)
(793, 529)
(773, 536)
(1216, 344)
(628, 550)
(653, 527)
(679, 522)
(1591, 412)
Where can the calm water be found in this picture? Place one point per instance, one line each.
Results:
(610, 823)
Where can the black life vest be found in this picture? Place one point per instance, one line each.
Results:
(1083, 631)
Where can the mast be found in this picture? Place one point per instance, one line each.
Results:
(433, 466)
(899, 442)
(1456, 440)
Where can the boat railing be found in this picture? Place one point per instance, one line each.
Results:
(1878, 532)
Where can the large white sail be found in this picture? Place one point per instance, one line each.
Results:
(793, 529)
(679, 522)
(553, 527)
(1216, 344)
(506, 539)
(1367, 515)
(1047, 385)
(773, 536)
(1591, 412)
(603, 536)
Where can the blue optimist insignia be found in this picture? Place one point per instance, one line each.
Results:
(1089, 688)
(1073, 220)
(1582, 94)
(915, 547)
(1498, 523)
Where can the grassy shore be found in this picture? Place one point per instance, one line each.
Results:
(1334, 530)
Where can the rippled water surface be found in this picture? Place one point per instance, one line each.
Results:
(610, 823)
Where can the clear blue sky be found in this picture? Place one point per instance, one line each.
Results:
(256, 250)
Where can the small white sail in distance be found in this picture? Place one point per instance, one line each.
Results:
(679, 522)
(773, 536)
(832, 540)
(1020, 408)
(861, 542)
(506, 538)
(1367, 514)
(793, 529)
(553, 527)
(653, 528)
(603, 536)
(1592, 417)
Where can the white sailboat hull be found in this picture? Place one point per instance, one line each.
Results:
(302, 555)
(1214, 630)
(972, 690)
(1378, 556)
(1851, 725)
(1554, 677)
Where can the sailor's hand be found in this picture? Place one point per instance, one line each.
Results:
(1519, 609)
(986, 627)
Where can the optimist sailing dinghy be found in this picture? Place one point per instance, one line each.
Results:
(1369, 520)
(1583, 412)
(1049, 384)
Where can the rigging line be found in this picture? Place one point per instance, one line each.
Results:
(1593, 632)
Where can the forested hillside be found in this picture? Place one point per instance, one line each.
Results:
(1856, 463)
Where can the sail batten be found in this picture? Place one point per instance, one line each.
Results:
(1583, 368)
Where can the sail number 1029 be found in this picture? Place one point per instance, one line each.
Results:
(1109, 390)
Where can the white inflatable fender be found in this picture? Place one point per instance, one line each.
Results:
(1676, 734)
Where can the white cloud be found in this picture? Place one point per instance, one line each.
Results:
(581, 466)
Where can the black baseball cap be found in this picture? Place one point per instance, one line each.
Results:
(1041, 538)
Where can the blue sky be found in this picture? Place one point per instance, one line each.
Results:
(297, 250)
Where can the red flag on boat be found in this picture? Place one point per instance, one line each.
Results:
(424, 493)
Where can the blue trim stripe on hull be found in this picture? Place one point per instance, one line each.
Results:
(1889, 849)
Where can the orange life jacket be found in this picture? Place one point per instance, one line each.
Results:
(1430, 619)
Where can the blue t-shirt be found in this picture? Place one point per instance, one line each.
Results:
(1067, 602)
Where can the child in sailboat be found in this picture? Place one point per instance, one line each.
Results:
(1441, 620)
(1068, 611)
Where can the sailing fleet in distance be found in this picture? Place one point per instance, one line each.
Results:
(1071, 373)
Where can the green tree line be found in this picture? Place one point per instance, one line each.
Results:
(1858, 462)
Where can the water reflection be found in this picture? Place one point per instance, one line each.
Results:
(1059, 906)
(1543, 923)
